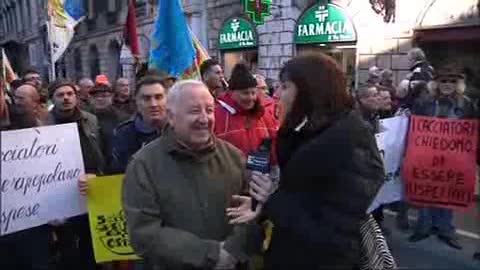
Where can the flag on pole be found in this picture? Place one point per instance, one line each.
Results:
(63, 15)
(193, 72)
(130, 31)
(172, 48)
(7, 71)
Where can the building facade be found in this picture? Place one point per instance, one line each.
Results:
(23, 33)
(358, 33)
(97, 46)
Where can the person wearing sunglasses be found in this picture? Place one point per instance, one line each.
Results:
(447, 101)
(33, 76)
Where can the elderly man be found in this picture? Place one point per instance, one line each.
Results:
(448, 100)
(177, 189)
(85, 86)
(108, 119)
(26, 107)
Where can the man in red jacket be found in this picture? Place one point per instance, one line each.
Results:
(241, 118)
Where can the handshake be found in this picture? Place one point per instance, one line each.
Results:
(261, 187)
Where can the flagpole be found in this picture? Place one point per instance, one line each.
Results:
(4, 68)
(52, 63)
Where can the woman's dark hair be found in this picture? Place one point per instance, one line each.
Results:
(321, 90)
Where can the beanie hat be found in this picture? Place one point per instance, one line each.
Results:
(241, 78)
(102, 79)
(59, 83)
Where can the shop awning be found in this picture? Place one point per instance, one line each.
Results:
(452, 33)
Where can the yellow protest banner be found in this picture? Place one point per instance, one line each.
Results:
(107, 220)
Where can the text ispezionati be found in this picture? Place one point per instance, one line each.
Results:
(327, 28)
(240, 36)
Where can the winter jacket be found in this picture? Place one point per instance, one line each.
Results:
(127, 109)
(175, 199)
(329, 177)
(108, 120)
(74, 236)
(129, 137)
(245, 129)
(27, 248)
(90, 140)
(458, 106)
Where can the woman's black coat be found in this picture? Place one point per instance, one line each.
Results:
(329, 177)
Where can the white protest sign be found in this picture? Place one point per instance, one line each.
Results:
(392, 142)
(39, 174)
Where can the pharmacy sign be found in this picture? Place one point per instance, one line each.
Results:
(324, 23)
(237, 33)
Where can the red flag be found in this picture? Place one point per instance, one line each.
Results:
(130, 31)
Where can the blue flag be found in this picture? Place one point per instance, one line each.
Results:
(75, 8)
(172, 48)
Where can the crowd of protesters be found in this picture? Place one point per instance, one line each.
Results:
(183, 146)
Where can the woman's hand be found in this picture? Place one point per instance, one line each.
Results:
(261, 187)
(83, 183)
(243, 212)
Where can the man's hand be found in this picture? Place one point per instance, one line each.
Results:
(83, 183)
(243, 213)
(225, 260)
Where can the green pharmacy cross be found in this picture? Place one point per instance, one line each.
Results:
(257, 9)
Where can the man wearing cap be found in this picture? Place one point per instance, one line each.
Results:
(241, 118)
(448, 101)
(109, 117)
(74, 236)
(145, 126)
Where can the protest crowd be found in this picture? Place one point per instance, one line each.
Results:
(233, 173)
